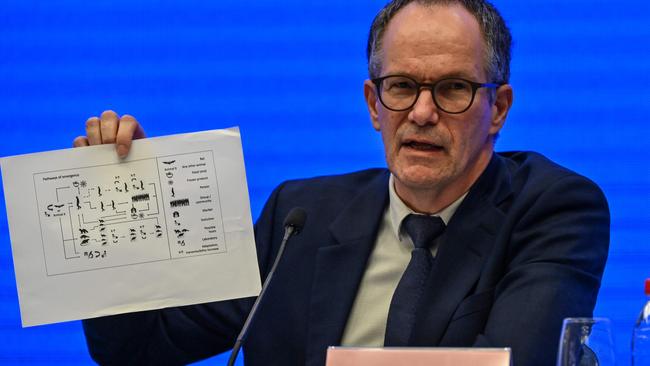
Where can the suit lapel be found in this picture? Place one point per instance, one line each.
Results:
(340, 266)
(464, 246)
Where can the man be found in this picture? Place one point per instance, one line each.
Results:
(523, 244)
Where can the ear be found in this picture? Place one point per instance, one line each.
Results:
(370, 93)
(501, 107)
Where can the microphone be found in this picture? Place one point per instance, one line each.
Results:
(293, 224)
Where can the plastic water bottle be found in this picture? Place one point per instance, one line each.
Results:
(641, 333)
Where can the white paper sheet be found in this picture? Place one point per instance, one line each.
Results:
(94, 235)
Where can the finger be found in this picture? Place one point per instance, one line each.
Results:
(108, 126)
(93, 132)
(128, 130)
(139, 132)
(80, 141)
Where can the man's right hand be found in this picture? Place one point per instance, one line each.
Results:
(110, 128)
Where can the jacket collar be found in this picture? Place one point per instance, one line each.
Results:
(340, 265)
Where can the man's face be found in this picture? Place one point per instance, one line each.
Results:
(427, 149)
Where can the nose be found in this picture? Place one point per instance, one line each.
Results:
(425, 110)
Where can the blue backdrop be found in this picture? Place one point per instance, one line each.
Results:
(290, 74)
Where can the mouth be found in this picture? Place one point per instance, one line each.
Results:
(419, 145)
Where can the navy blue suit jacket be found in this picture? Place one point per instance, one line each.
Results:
(526, 248)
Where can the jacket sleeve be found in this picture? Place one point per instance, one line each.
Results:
(556, 256)
(181, 335)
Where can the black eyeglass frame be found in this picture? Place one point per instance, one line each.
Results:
(432, 87)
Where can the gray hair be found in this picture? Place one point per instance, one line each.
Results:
(495, 33)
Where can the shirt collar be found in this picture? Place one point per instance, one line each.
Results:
(399, 210)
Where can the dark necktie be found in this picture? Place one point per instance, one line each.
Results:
(423, 230)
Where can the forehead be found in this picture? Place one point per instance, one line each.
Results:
(433, 41)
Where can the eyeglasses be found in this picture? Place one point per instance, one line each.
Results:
(452, 95)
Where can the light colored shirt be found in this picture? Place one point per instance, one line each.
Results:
(366, 324)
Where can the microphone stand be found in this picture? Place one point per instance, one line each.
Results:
(288, 231)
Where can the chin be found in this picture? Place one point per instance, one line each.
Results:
(420, 177)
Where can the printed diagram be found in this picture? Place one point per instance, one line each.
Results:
(147, 210)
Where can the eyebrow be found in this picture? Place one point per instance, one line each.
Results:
(453, 74)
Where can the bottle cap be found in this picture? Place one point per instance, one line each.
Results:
(647, 287)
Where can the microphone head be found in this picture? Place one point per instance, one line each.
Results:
(296, 219)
